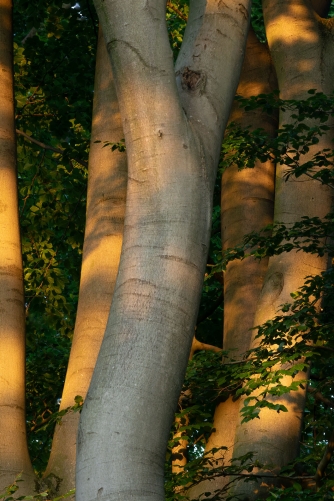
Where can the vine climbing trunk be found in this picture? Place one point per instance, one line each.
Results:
(301, 45)
(107, 179)
(14, 456)
(173, 135)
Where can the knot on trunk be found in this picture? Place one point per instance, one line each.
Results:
(192, 80)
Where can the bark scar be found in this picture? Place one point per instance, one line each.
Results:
(113, 43)
(273, 287)
(192, 80)
(243, 10)
(178, 260)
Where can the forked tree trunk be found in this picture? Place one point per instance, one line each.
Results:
(246, 205)
(107, 179)
(302, 54)
(173, 152)
(14, 457)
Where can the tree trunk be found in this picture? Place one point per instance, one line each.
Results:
(246, 205)
(173, 150)
(14, 457)
(301, 51)
(107, 179)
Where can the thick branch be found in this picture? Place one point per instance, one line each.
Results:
(48, 147)
(197, 346)
(319, 396)
(177, 11)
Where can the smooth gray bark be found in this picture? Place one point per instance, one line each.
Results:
(173, 137)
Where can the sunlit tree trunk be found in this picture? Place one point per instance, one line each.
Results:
(107, 178)
(302, 53)
(246, 205)
(173, 137)
(14, 457)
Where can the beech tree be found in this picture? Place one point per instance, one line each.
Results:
(293, 200)
(173, 149)
(246, 205)
(283, 275)
(159, 117)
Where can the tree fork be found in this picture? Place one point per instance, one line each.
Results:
(173, 137)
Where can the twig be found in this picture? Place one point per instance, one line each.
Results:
(48, 147)
(177, 11)
(31, 34)
(42, 145)
(36, 427)
(236, 362)
(197, 346)
(325, 459)
(319, 396)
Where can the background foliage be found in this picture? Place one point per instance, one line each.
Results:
(54, 60)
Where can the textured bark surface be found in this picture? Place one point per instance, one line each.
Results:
(246, 205)
(14, 457)
(107, 178)
(172, 152)
(300, 48)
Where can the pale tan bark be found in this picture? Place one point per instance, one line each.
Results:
(107, 178)
(246, 205)
(173, 151)
(302, 54)
(14, 456)
(199, 346)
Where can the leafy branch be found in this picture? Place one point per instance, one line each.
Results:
(55, 418)
(48, 147)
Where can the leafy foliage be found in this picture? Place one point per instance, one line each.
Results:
(176, 17)
(10, 493)
(50, 57)
(297, 342)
